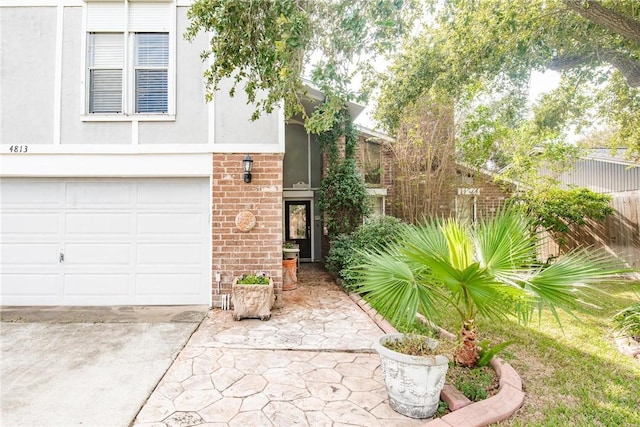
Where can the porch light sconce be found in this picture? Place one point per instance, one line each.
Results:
(247, 165)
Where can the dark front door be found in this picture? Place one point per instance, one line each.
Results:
(297, 224)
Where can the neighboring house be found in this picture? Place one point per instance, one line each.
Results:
(602, 171)
(119, 184)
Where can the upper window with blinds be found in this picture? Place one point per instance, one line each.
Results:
(128, 60)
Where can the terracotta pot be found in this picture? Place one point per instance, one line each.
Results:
(289, 276)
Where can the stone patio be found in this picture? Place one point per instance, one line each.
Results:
(312, 364)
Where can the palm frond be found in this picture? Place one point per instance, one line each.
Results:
(505, 242)
(561, 284)
(392, 288)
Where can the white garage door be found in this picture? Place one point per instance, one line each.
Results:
(104, 241)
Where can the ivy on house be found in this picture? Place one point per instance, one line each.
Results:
(343, 196)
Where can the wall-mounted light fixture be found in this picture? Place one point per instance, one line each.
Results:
(247, 165)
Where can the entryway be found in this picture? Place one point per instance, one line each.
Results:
(297, 224)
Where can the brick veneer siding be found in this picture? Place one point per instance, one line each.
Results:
(235, 252)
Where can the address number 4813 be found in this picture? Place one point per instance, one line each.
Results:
(18, 148)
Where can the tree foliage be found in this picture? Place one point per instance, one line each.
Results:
(480, 55)
(556, 209)
(264, 46)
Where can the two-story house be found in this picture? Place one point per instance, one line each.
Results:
(119, 183)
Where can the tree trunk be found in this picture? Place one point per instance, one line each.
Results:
(468, 353)
(595, 12)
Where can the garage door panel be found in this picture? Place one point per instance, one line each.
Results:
(100, 223)
(175, 223)
(37, 224)
(168, 284)
(106, 285)
(96, 194)
(97, 254)
(179, 193)
(30, 254)
(122, 240)
(169, 254)
(14, 285)
(20, 193)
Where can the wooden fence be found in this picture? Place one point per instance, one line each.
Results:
(619, 234)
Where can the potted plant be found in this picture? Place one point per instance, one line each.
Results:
(486, 269)
(253, 297)
(290, 250)
(413, 373)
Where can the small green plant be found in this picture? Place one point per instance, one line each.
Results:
(487, 351)
(443, 407)
(627, 321)
(252, 279)
(473, 383)
(288, 245)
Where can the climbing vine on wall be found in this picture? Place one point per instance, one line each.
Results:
(343, 196)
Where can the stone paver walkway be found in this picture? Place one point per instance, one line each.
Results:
(312, 364)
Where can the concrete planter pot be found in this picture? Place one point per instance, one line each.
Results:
(413, 383)
(290, 253)
(252, 301)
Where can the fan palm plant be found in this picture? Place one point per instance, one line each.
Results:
(488, 270)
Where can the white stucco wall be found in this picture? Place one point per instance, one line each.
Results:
(27, 63)
(233, 123)
(41, 87)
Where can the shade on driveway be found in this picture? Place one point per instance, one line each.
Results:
(56, 374)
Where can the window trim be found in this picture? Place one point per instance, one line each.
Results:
(128, 115)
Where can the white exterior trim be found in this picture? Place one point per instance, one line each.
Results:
(134, 132)
(57, 76)
(128, 118)
(131, 148)
(297, 194)
(281, 132)
(41, 3)
(249, 148)
(118, 165)
(107, 149)
(376, 191)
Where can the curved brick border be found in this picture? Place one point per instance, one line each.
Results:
(496, 408)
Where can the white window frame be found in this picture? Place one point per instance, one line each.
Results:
(128, 78)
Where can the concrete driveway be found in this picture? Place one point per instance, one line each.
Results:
(62, 366)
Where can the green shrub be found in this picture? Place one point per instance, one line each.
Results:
(473, 383)
(345, 252)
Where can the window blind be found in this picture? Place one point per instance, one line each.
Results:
(151, 69)
(105, 58)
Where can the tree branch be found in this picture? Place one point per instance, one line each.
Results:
(616, 22)
(629, 68)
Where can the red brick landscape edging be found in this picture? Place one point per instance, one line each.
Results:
(479, 414)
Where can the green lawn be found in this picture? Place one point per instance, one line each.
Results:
(574, 375)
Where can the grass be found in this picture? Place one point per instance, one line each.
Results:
(572, 375)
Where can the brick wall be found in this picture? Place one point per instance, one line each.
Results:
(236, 252)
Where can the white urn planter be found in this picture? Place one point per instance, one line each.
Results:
(413, 383)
